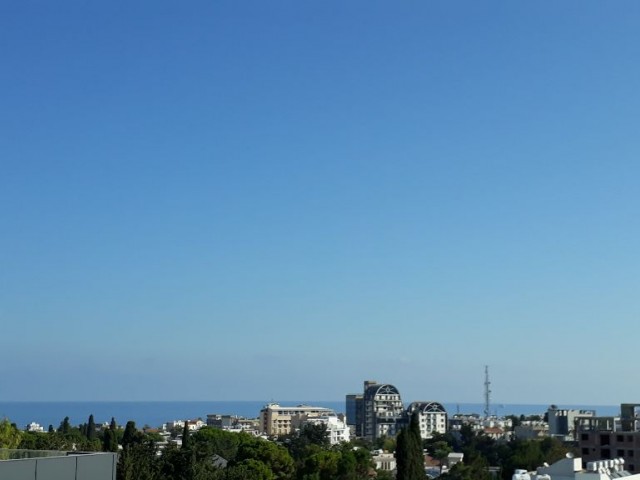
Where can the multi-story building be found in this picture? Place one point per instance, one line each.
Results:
(432, 417)
(382, 410)
(563, 422)
(279, 420)
(384, 461)
(608, 438)
(337, 430)
(531, 429)
(355, 411)
(375, 413)
(573, 468)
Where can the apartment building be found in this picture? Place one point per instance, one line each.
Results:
(608, 438)
(382, 410)
(337, 430)
(563, 422)
(432, 417)
(281, 420)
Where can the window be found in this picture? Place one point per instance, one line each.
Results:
(605, 440)
(584, 436)
(619, 453)
(585, 451)
(619, 438)
(605, 454)
(630, 453)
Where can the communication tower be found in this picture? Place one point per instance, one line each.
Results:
(487, 392)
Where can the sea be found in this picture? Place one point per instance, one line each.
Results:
(155, 413)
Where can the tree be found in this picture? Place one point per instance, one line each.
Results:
(213, 441)
(460, 471)
(409, 455)
(249, 470)
(65, 426)
(10, 436)
(440, 451)
(186, 439)
(130, 435)
(91, 428)
(274, 456)
(109, 441)
(138, 461)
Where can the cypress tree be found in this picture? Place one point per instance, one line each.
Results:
(130, 434)
(51, 430)
(409, 454)
(65, 427)
(91, 428)
(113, 436)
(186, 440)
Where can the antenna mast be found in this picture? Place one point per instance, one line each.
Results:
(487, 392)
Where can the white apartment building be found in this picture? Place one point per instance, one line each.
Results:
(432, 417)
(35, 427)
(179, 424)
(384, 461)
(570, 468)
(337, 430)
(279, 420)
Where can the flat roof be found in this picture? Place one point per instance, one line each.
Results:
(22, 454)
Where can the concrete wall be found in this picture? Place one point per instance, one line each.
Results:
(101, 466)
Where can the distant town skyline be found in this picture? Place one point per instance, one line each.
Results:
(237, 200)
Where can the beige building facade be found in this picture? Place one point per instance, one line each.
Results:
(276, 420)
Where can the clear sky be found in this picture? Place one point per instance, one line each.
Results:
(227, 200)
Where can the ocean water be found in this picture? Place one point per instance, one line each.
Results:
(156, 413)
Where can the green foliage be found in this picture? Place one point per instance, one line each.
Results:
(65, 426)
(480, 451)
(10, 436)
(477, 470)
(131, 435)
(384, 475)
(210, 441)
(276, 457)
(91, 429)
(249, 469)
(109, 441)
(323, 464)
(409, 455)
(440, 450)
(309, 440)
(138, 461)
(186, 437)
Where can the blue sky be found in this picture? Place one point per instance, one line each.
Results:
(278, 200)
